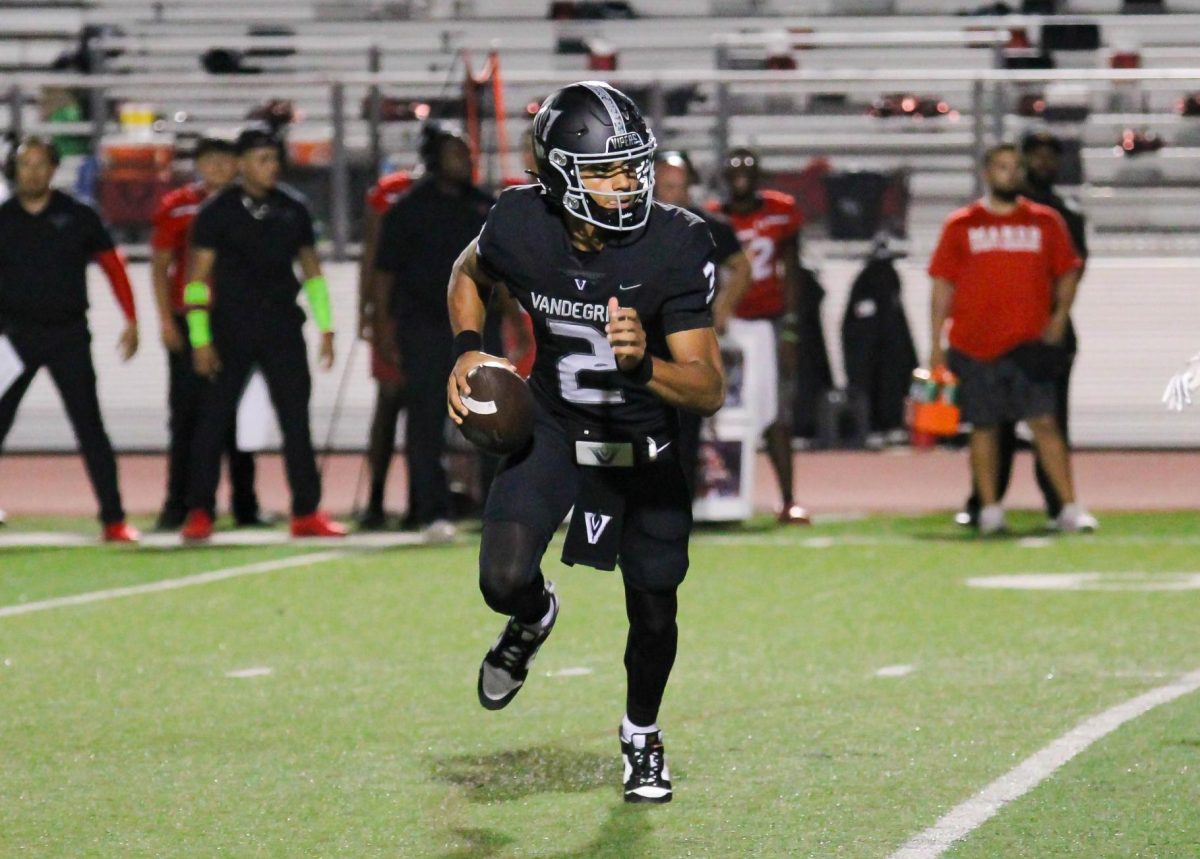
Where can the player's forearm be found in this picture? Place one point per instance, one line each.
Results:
(366, 261)
(464, 297)
(113, 265)
(735, 283)
(695, 386)
(943, 292)
(1065, 289)
(467, 310)
(160, 276)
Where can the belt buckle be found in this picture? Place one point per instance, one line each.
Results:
(604, 454)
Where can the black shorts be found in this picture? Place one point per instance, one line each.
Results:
(538, 486)
(1017, 386)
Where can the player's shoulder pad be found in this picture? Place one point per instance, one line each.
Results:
(778, 201)
(683, 230)
(517, 209)
(520, 198)
(184, 196)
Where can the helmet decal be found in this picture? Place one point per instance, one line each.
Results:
(590, 128)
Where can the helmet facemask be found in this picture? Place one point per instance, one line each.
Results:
(633, 209)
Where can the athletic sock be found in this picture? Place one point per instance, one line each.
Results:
(636, 733)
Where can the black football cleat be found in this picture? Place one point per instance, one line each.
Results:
(647, 778)
(506, 665)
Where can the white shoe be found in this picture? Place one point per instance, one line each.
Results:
(439, 531)
(1073, 519)
(991, 520)
(3, 517)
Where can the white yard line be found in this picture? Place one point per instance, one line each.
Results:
(964, 819)
(832, 541)
(895, 671)
(171, 584)
(238, 537)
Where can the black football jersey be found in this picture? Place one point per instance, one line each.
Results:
(664, 270)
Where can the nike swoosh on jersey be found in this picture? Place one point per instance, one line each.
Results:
(631, 286)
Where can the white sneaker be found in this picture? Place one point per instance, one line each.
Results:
(3, 517)
(991, 520)
(1073, 519)
(439, 531)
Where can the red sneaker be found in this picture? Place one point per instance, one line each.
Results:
(316, 525)
(121, 532)
(197, 527)
(794, 515)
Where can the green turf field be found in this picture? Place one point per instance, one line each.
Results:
(123, 735)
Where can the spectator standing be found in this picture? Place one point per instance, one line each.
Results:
(389, 379)
(1040, 153)
(242, 313)
(768, 225)
(420, 238)
(673, 181)
(1004, 275)
(216, 167)
(49, 239)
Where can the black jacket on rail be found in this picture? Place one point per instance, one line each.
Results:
(813, 376)
(877, 344)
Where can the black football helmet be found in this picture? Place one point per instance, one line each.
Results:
(592, 125)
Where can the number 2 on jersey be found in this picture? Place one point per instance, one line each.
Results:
(599, 360)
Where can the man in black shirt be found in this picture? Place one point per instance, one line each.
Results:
(242, 313)
(1040, 152)
(419, 239)
(673, 179)
(620, 291)
(49, 239)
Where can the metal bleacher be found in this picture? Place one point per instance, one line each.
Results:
(925, 47)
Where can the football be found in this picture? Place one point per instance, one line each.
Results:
(499, 415)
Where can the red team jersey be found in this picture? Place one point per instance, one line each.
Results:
(172, 226)
(1003, 268)
(387, 190)
(762, 233)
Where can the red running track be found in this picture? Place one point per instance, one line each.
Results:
(900, 481)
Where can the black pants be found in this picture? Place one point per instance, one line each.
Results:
(529, 498)
(1008, 449)
(186, 392)
(427, 358)
(65, 350)
(276, 347)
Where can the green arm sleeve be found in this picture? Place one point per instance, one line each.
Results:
(317, 290)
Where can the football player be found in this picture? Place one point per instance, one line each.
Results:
(620, 290)
(768, 225)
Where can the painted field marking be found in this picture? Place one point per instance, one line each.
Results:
(964, 819)
(868, 540)
(570, 672)
(895, 671)
(1126, 581)
(171, 584)
(245, 673)
(237, 537)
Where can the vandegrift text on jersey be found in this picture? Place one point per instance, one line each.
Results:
(566, 309)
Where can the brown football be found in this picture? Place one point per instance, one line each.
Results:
(499, 415)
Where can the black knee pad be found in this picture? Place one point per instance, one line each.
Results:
(509, 556)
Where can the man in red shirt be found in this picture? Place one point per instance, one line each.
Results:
(385, 369)
(768, 225)
(1004, 275)
(216, 165)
